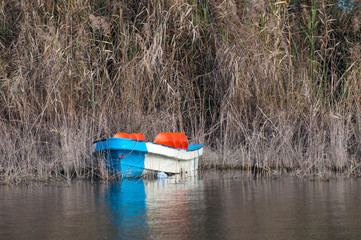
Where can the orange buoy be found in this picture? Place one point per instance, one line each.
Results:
(176, 140)
(137, 136)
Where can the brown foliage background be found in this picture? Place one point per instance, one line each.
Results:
(270, 85)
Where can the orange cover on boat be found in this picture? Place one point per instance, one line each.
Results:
(176, 140)
(134, 136)
(122, 135)
(137, 136)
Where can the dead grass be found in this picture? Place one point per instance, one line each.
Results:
(258, 82)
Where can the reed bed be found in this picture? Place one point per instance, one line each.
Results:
(267, 86)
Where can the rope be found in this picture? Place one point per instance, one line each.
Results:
(129, 152)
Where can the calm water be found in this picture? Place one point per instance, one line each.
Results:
(213, 206)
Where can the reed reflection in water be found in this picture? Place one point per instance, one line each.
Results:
(213, 206)
(282, 208)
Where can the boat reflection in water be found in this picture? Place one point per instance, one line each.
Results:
(126, 199)
(156, 209)
(169, 207)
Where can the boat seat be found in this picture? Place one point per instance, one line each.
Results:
(176, 140)
(134, 136)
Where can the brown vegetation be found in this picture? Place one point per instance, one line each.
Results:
(270, 85)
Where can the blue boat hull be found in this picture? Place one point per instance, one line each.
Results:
(131, 158)
(125, 163)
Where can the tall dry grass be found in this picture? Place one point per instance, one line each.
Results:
(265, 85)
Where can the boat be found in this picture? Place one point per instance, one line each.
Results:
(130, 155)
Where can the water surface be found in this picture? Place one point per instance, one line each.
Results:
(215, 205)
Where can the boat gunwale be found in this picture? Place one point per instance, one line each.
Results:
(136, 141)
